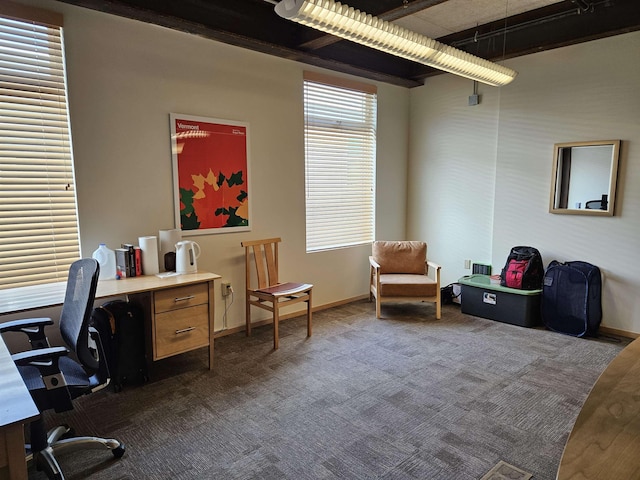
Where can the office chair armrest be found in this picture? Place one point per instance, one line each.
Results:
(23, 323)
(46, 360)
(32, 327)
(34, 357)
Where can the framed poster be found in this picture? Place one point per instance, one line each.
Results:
(210, 174)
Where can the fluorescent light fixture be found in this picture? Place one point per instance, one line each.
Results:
(351, 24)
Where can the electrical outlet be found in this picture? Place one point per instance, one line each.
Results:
(226, 289)
(467, 264)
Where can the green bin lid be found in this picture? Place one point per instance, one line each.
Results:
(484, 281)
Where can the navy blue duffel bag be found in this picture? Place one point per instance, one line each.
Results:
(571, 298)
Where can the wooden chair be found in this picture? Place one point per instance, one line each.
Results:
(398, 273)
(270, 294)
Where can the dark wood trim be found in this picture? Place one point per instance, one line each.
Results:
(565, 177)
(31, 14)
(340, 82)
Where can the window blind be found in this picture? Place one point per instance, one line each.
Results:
(340, 152)
(38, 215)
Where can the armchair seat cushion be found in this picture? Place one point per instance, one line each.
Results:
(407, 285)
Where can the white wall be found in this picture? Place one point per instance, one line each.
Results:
(578, 93)
(452, 172)
(125, 77)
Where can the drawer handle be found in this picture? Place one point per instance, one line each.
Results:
(185, 330)
(184, 299)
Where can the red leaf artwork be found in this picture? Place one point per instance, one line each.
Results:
(212, 174)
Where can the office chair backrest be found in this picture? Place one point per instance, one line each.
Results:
(77, 307)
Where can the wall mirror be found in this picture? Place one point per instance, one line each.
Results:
(583, 181)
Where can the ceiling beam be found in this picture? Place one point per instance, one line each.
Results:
(125, 9)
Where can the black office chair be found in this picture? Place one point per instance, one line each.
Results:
(54, 379)
(601, 204)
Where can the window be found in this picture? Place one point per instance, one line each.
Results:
(38, 215)
(340, 152)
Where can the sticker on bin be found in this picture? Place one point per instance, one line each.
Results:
(489, 298)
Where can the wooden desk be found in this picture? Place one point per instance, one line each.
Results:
(179, 310)
(16, 409)
(605, 441)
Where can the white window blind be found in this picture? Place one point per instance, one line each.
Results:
(38, 215)
(340, 152)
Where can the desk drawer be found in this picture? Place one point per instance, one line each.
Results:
(181, 297)
(181, 330)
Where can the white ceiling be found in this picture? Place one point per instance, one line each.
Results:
(456, 15)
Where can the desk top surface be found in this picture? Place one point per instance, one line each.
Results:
(16, 405)
(15, 300)
(605, 440)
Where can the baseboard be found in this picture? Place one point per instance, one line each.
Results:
(621, 333)
(228, 331)
(335, 304)
(259, 323)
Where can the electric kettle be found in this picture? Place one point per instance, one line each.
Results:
(186, 254)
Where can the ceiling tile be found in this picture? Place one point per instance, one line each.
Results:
(456, 15)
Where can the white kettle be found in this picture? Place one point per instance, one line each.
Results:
(186, 254)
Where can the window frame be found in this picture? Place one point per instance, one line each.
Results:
(40, 237)
(340, 123)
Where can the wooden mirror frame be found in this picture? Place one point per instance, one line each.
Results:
(560, 179)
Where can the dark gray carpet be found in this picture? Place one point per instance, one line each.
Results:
(404, 397)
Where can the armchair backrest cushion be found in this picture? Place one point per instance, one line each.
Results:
(400, 256)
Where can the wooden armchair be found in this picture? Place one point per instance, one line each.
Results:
(399, 273)
(270, 294)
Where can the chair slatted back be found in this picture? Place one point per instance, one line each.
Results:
(265, 255)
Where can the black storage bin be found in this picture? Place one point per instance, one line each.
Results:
(481, 298)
